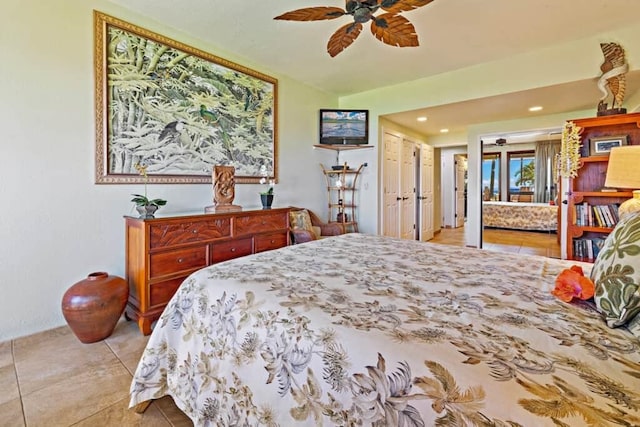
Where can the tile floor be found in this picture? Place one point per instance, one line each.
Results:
(51, 379)
(500, 240)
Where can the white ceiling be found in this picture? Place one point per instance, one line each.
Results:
(453, 34)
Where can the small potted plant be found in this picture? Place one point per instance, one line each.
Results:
(146, 207)
(266, 196)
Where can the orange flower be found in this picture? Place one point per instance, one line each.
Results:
(571, 283)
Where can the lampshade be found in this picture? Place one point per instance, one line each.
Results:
(623, 171)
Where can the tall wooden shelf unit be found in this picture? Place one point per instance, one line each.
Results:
(341, 189)
(584, 192)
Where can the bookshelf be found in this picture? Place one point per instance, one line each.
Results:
(591, 208)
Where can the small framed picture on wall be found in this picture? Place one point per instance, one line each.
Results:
(601, 146)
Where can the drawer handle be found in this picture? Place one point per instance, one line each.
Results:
(194, 231)
(273, 241)
(264, 222)
(180, 260)
(233, 249)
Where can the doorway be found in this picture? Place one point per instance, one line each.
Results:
(515, 209)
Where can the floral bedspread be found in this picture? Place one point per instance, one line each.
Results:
(368, 330)
(520, 215)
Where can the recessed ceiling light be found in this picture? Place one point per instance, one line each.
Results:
(444, 130)
(422, 119)
(536, 108)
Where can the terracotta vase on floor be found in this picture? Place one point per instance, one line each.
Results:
(93, 306)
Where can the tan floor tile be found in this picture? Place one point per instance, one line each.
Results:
(52, 356)
(78, 396)
(6, 357)
(172, 412)
(119, 414)
(128, 343)
(11, 414)
(8, 380)
(8, 384)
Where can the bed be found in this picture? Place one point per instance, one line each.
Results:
(520, 215)
(369, 330)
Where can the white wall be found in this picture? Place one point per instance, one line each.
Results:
(56, 224)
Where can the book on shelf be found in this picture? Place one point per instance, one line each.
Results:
(597, 212)
(598, 243)
(587, 248)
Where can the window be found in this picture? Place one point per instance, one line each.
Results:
(490, 176)
(522, 172)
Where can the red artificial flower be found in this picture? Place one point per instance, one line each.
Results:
(571, 283)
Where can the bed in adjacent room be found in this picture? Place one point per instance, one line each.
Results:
(520, 215)
(369, 330)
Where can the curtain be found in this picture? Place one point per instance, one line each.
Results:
(545, 187)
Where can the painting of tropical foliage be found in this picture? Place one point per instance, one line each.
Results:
(177, 110)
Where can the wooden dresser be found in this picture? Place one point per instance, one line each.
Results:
(161, 252)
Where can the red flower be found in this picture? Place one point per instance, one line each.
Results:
(571, 283)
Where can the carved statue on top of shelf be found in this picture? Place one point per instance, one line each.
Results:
(613, 80)
(224, 190)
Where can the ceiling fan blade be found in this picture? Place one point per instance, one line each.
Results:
(394, 30)
(342, 39)
(319, 13)
(397, 6)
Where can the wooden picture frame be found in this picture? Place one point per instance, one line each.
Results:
(601, 146)
(177, 110)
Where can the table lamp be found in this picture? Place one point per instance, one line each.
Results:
(623, 171)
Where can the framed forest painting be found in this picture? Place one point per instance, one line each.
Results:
(177, 110)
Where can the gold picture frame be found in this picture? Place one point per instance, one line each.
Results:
(601, 146)
(177, 110)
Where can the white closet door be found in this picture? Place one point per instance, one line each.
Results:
(408, 190)
(461, 169)
(426, 192)
(391, 186)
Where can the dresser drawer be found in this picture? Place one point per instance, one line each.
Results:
(229, 250)
(260, 223)
(170, 234)
(270, 241)
(163, 263)
(161, 293)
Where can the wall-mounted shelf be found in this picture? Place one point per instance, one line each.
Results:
(342, 147)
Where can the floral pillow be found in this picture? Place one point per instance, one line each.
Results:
(300, 220)
(616, 273)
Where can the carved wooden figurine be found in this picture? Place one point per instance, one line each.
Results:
(613, 79)
(224, 190)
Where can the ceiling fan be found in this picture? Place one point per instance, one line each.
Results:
(389, 27)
